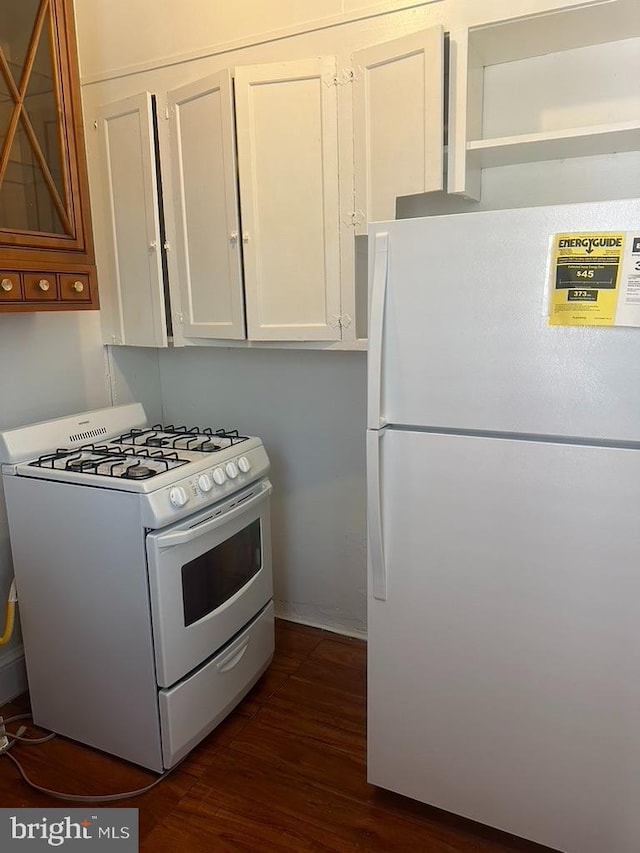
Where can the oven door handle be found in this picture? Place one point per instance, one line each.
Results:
(179, 537)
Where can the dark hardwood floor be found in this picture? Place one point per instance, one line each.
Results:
(286, 771)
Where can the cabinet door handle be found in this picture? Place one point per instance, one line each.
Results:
(245, 236)
(44, 285)
(78, 286)
(6, 284)
(233, 237)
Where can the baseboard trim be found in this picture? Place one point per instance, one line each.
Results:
(13, 674)
(282, 612)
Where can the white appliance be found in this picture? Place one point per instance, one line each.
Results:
(503, 462)
(142, 558)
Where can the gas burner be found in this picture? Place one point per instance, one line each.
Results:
(78, 464)
(138, 472)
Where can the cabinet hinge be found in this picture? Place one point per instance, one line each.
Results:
(340, 321)
(356, 217)
(166, 112)
(330, 79)
(348, 75)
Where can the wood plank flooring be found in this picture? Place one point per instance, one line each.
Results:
(286, 771)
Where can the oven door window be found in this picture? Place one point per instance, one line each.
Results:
(214, 577)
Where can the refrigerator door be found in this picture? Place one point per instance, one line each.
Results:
(503, 671)
(460, 339)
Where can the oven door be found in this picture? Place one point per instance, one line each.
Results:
(209, 575)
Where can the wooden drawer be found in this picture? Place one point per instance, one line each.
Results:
(40, 286)
(10, 286)
(75, 288)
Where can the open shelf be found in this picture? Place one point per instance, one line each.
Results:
(554, 145)
(599, 108)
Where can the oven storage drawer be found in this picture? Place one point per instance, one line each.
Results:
(195, 706)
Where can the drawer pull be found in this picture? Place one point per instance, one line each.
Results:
(233, 658)
(6, 284)
(44, 285)
(78, 286)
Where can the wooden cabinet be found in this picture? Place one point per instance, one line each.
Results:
(45, 227)
(546, 87)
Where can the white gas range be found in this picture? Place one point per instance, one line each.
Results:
(142, 557)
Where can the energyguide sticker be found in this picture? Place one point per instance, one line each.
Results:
(594, 279)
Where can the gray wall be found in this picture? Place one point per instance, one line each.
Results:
(309, 407)
(52, 365)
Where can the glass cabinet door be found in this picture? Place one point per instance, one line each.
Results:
(37, 174)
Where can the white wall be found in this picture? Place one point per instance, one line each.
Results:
(121, 36)
(309, 408)
(53, 365)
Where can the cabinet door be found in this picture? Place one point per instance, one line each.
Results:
(131, 268)
(41, 181)
(398, 105)
(45, 224)
(201, 210)
(288, 164)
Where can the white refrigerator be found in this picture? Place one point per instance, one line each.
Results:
(503, 465)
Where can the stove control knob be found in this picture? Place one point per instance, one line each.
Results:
(244, 464)
(232, 470)
(219, 476)
(204, 482)
(178, 496)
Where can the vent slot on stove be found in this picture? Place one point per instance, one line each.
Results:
(90, 433)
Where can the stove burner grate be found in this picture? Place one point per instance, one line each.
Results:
(130, 463)
(183, 438)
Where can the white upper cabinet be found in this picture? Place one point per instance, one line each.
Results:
(133, 304)
(287, 126)
(198, 158)
(271, 247)
(545, 87)
(398, 123)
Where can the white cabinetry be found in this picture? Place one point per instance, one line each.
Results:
(287, 121)
(199, 232)
(128, 231)
(263, 249)
(270, 238)
(547, 87)
(198, 160)
(398, 117)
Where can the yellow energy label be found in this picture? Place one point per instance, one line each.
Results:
(584, 279)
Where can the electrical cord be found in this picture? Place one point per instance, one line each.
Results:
(18, 735)
(59, 795)
(81, 798)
